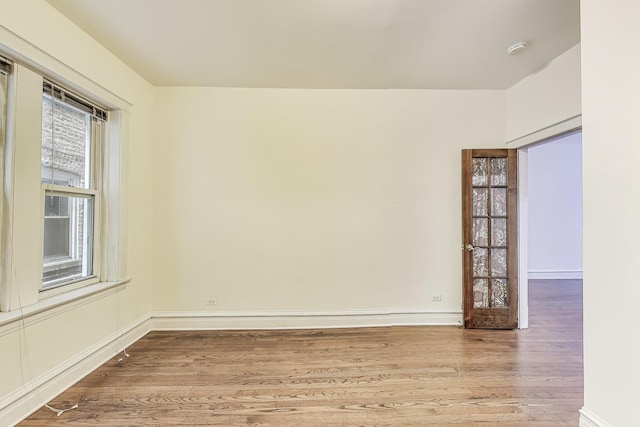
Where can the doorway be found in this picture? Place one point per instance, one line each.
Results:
(550, 216)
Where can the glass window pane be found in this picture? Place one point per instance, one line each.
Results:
(498, 232)
(480, 231)
(66, 145)
(499, 293)
(480, 293)
(499, 262)
(56, 237)
(499, 172)
(56, 206)
(480, 172)
(68, 239)
(498, 202)
(480, 262)
(480, 199)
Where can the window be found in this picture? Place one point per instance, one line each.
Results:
(70, 158)
(64, 219)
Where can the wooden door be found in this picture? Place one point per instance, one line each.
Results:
(489, 230)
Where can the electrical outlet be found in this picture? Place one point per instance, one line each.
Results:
(436, 298)
(211, 301)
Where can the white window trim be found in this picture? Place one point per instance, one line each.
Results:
(19, 285)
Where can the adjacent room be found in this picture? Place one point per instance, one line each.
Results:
(251, 212)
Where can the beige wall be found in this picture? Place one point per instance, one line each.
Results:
(54, 340)
(545, 98)
(611, 155)
(313, 200)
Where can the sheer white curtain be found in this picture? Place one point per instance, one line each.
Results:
(3, 108)
(3, 136)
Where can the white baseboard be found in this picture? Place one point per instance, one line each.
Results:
(30, 397)
(555, 274)
(177, 320)
(589, 419)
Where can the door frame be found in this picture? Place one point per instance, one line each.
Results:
(523, 237)
(547, 134)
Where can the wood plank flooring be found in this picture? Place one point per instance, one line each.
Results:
(399, 376)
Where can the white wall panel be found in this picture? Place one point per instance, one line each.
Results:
(611, 155)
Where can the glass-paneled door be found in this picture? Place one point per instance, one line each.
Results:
(489, 223)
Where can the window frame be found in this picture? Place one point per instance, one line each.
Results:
(92, 191)
(56, 190)
(22, 231)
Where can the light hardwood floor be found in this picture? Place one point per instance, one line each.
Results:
(399, 376)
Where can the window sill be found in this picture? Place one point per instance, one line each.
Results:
(50, 306)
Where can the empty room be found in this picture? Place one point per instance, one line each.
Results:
(317, 212)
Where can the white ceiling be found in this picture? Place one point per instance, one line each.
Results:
(427, 44)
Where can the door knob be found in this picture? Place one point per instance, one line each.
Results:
(469, 247)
